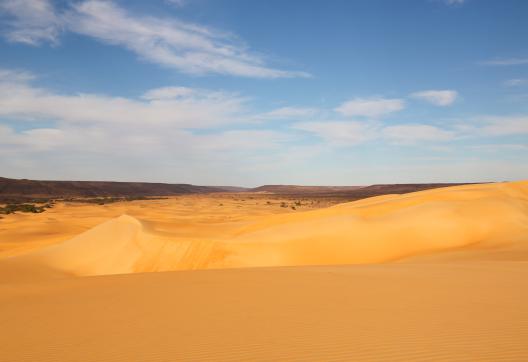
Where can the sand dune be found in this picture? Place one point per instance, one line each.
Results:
(457, 291)
(373, 230)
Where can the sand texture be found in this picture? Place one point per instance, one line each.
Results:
(434, 275)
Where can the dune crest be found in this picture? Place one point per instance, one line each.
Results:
(109, 248)
(373, 230)
(119, 246)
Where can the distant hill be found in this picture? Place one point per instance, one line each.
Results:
(22, 189)
(289, 189)
(25, 189)
(349, 193)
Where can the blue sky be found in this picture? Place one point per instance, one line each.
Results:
(257, 92)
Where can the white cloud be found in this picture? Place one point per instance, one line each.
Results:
(288, 113)
(415, 133)
(43, 138)
(441, 98)
(236, 140)
(138, 151)
(504, 126)
(347, 133)
(506, 61)
(175, 106)
(32, 21)
(516, 82)
(87, 135)
(15, 76)
(36, 139)
(340, 132)
(184, 46)
(370, 107)
(493, 126)
(181, 134)
(168, 93)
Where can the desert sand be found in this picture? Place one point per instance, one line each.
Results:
(434, 275)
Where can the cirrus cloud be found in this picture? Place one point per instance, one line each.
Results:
(166, 41)
(31, 22)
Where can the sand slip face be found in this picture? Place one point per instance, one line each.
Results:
(380, 229)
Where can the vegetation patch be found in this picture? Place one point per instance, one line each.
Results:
(31, 208)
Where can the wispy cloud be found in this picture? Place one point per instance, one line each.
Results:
(31, 22)
(168, 93)
(440, 98)
(415, 133)
(341, 133)
(499, 147)
(454, 2)
(288, 113)
(503, 125)
(187, 47)
(370, 107)
(15, 76)
(516, 82)
(178, 3)
(350, 133)
(176, 107)
(188, 131)
(493, 126)
(505, 61)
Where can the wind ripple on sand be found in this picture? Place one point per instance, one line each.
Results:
(390, 312)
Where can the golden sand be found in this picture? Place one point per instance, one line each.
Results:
(443, 276)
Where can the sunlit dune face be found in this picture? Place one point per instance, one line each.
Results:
(234, 231)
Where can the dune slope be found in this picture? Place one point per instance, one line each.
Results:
(373, 230)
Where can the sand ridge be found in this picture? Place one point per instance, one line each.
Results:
(373, 230)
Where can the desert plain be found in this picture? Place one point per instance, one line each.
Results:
(433, 275)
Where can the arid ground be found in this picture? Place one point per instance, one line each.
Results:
(439, 274)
